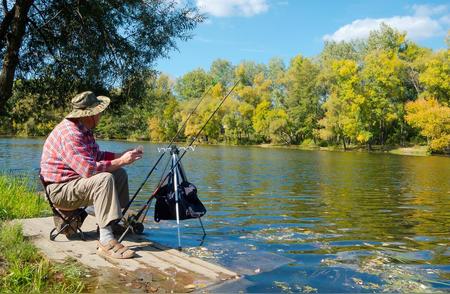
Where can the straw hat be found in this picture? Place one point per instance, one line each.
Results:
(87, 104)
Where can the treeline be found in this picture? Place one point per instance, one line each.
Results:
(385, 90)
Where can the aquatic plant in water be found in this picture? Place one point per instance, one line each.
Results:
(396, 277)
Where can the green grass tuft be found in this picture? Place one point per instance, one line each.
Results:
(22, 268)
(17, 200)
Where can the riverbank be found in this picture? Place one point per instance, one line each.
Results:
(23, 269)
(30, 262)
(410, 150)
(415, 150)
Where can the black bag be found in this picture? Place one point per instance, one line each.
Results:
(189, 206)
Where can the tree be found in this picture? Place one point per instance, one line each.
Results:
(333, 50)
(246, 72)
(158, 93)
(164, 126)
(259, 90)
(222, 71)
(386, 38)
(433, 120)
(344, 109)
(270, 123)
(87, 44)
(384, 91)
(302, 101)
(213, 129)
(193, 84)
(436, 76)
(276, 70)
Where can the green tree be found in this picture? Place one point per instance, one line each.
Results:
(302, 101)
(87, 44)
(163, 126)
(436, 76)
(222, 71)
(247, 71)
(333, 50)
(260, 90)
(270, 123)
(276, 70)
(193, 84)
(433, 121)
(343, 120)
(384, 91)
(386, 38)
(214, 128)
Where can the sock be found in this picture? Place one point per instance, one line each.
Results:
(106, 234)
(90, 210)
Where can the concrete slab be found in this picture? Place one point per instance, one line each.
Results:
(181, 272)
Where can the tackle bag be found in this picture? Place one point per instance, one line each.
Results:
(189, 206)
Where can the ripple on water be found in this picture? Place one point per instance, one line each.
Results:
(347, 222)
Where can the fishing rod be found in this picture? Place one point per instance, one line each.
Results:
(133, 220)
(162, 155)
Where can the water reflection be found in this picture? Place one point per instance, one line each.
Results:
(347, 222)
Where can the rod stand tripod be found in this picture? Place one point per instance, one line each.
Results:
(178, 173)
(134, 222)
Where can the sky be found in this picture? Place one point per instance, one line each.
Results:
(258, 30)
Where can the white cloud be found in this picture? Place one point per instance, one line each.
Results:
(445, 19)
(429, 10)
(224, 8)
(424, 24)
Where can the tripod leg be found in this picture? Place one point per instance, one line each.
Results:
(178, 225)
(204, 232)
(175, 183)
(203, 228)
(129, 227)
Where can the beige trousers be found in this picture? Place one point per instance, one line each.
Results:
(108, 192)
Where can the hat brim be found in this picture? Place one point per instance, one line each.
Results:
(91, 111)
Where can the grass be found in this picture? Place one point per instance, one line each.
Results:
(17, 199)
(415, 150)
(22, 268)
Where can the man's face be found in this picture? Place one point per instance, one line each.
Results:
(97, 119)
(93, 121)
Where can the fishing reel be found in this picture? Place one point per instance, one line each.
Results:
(133, 222)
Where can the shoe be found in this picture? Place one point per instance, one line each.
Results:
(114, 249)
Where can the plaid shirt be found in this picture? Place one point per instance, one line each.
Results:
(70, 151)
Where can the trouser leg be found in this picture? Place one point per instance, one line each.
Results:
(99, 190)
(121, 181)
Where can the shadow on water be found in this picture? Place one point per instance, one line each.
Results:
(305, 221)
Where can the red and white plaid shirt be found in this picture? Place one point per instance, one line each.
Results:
(70, 152)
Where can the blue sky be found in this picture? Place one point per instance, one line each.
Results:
(258, 30)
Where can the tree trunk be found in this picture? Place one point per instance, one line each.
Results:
(343, 142)
(5, 25)
(11, 57)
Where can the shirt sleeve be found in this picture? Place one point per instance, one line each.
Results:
(105, 155)
(79, 157)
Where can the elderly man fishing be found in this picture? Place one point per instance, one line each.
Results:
(78, 174)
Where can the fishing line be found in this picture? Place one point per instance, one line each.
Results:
(137, 216)
(168, 146)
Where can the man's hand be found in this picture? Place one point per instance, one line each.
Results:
(139, 149)
(130, 156)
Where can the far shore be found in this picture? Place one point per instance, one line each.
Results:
(415, 150)
(410, 150)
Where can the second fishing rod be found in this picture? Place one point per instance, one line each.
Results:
(125, 209)
(138, 218)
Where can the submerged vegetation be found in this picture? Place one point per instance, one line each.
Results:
(22, 268)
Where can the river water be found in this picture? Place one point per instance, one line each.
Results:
(303, 221)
